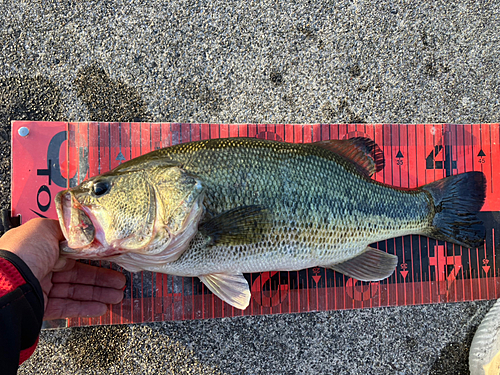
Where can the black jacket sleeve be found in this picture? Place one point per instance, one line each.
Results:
(21, 312)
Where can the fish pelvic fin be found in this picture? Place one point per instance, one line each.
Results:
(241, 225)
(364, 153)
(457, 199)
(371, 265)
(232, 289)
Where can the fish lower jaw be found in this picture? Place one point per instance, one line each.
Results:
(90, 256)
(95, 251)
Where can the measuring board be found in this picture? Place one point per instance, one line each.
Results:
(55, 155)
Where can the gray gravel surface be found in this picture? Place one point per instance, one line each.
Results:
(264, 62)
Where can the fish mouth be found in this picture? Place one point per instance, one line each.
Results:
(84, 236)
(76, 225)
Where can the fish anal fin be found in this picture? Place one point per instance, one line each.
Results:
(232, 289)
(364, 153)
(371, 265)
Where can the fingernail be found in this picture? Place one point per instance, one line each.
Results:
(60, 264)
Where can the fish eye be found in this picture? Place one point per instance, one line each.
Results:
(100, 188)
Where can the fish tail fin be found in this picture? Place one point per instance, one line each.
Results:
(457, 200)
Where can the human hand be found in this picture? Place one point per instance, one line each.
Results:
(70, 288)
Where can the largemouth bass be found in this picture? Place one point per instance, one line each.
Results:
(219, 208)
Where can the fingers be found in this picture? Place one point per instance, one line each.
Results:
(90, 275)
(58, 308)
(79, 292)
(82, 290)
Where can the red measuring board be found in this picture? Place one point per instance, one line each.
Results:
(56, 155)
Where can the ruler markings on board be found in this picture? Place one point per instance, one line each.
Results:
(428, 271)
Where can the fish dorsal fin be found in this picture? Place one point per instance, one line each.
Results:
(362, 152)
(244, 224)
(371, 265)
(232, 289)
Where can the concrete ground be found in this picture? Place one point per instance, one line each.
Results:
(261, 62)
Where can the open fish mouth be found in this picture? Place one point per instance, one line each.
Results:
(76, 225)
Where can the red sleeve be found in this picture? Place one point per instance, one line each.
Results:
(21, 311)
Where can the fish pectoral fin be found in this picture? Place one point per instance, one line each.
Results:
(241, 225)
(371, 265)
(232, 289)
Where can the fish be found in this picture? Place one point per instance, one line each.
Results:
(484, 353)
(216, 209)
